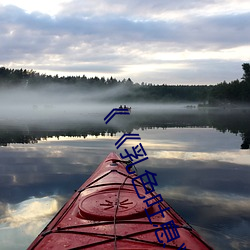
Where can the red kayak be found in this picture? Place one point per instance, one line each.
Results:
(115, 209)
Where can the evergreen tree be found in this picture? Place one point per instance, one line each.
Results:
(246, 69)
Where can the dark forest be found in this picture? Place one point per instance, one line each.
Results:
(224, 93)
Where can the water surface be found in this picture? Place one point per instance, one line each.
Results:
(202, 170)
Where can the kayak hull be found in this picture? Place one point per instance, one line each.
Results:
(107, 212)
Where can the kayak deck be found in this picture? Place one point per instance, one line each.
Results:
(106, 212)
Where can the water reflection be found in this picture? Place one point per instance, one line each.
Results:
(20, 222)
(234, 121)
(201, 172)
(29, 210)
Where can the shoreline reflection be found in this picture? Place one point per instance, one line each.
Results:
(201, 172)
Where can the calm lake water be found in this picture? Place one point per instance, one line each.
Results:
(201, 158)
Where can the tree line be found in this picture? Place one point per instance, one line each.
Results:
(236, 91)
(233, 121)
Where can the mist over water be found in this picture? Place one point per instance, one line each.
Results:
(60, 102)
(56, 102)
(57, 109)
(195, 153)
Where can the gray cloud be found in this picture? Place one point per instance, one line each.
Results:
(106, 40)
(85, 68)
(132, 8)
(227, 29)
(224, 31)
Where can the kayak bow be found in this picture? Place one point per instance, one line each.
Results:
(106, 212)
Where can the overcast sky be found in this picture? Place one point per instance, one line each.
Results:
(157, 41)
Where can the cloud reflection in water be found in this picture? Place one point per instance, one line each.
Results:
(25, 220)
(199, 172)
